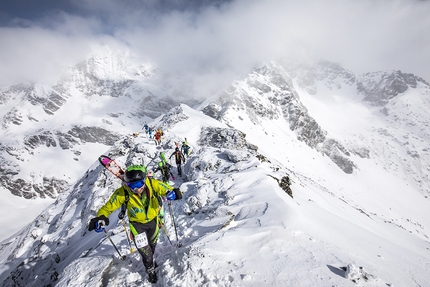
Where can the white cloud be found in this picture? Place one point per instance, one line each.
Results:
(226, 41)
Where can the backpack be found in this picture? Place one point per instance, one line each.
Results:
(121, 214)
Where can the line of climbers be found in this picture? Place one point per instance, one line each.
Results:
(142, 196)
(155, 134)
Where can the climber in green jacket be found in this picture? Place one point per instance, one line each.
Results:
(142, 210)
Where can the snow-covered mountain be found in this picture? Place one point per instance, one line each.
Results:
(97, 102)
(304, 175)
(108, 96)
(305, 103)
(246, 219)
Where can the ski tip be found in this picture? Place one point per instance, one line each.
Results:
(104, 160)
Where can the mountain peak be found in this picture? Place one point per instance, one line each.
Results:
(268, 94)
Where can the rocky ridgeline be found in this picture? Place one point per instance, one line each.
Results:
(236, 149)
(76, 135)
(50, 186)
(376, 88)
(270, 94)
(379, 87)
(267, 93)
(225, 138)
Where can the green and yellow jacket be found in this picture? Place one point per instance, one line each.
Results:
(139, 209)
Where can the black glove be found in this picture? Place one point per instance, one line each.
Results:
(178, 193)
(97, 223)
(121, 214)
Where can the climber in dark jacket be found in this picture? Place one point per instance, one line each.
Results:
(179, 159)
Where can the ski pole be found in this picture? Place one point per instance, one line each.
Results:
(165, 232)
(113, 244)
(179, 244)
(128, 238)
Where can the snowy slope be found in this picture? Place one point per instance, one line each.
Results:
(237, 226)
(102, 98)
(49, 134)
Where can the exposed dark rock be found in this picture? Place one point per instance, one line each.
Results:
(44, 138)
(285, 184)
(224, 138)
(94, 135)
(265, 103)
(212, 110)
(171, 118)
(338, 154)
(361, 152)
(379, 87)
(12, 117)
(66, 141)
(50, 187)
(50, 100)
(262, 158)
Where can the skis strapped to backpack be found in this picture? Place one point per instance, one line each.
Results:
(111, 166)
(163, 158)
(115, 169)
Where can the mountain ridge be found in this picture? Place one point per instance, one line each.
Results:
(233, 203)
(111, 75)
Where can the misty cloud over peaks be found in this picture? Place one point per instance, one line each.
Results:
(212, 41)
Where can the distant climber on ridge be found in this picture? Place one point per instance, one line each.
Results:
(164, 168)
(179, 159)
(185, 148)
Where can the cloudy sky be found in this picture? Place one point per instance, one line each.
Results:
(213, 38)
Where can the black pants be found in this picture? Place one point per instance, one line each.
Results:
(165, 176)
(152, 231)
(179, 168)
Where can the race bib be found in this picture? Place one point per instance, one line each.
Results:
(141, 240)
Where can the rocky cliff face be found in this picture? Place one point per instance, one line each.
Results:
(268, 93)
(400, 103)
(272, 92)
(378, 88)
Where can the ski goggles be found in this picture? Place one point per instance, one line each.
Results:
(136, 184)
